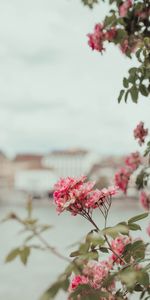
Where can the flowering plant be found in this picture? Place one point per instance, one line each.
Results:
(128, 26)
(109, 263)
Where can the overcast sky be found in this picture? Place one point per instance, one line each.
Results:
(54, 91)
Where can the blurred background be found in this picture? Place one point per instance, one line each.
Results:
(59, 116)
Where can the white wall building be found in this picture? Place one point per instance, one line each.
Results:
(36, 182)
(70, 163)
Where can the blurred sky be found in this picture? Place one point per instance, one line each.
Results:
(55, 92)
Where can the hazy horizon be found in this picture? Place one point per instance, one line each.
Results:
(55, 93)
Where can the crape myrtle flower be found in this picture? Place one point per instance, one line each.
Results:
(118, 246)
(124, 8)
(133, 160)
(78, 196)
(99, 36)
(145, 200)
(94, 274)
(140, 133)
(122, 178)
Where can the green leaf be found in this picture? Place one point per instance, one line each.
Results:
(51, 292)
(75, 253)
(143, 278)
(24, 254)
(116, 230)
(121, 95)
(143, 90)
(134, 93)
(89, 3)
(134, 227)
(12, 255)
(126, 96)
(125, 82)
(138, 218)
(103, 250)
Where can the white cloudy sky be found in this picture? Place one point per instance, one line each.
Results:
(54, 91)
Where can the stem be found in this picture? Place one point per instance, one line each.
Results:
(52, 249)
(93, 223)
(119, 257)
(43, 241)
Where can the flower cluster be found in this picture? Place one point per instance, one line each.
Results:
(94, 274)
(124, 7)
(133, 160)
(78, 280)
(122, 178)
(118, 246)
(99, 36)
(79, 197)
(145, 200)
(140, 133)
(125, 27)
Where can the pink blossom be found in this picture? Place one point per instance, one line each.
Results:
(148, 229)
(124, 7)
(127, 46)
(140, 133)
(96, 38)
(143, 14)
(96, 272)
(77, 196)
(118, 246)
(124, 46)
(93, 274)
(99, 36)
(133, 160)
(122, 179)
(110, 34)
(76, 281)
(145, 200)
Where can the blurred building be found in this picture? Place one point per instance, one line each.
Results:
(74, 162)
(6, 172)
(32, 177)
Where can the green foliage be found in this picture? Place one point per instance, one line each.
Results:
(90, 3)
(142, 179)
(138, 218)
(61, 284)
(23, 253)
(121, 228)
(33, 229)
(147, 151)
(138, 81)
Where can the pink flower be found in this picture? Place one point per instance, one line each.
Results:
(143, 14)
(78, 197)
(93, 274)
(99, 36)
(122, 179)
(124, 46)
(76, 281)
(124, 7)
(129, 46)
(118, 246)
(140, 133)
(133, 160)
(96, 39)
(148, 229)
(110, 34)
(145, 200)
(97, 272)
